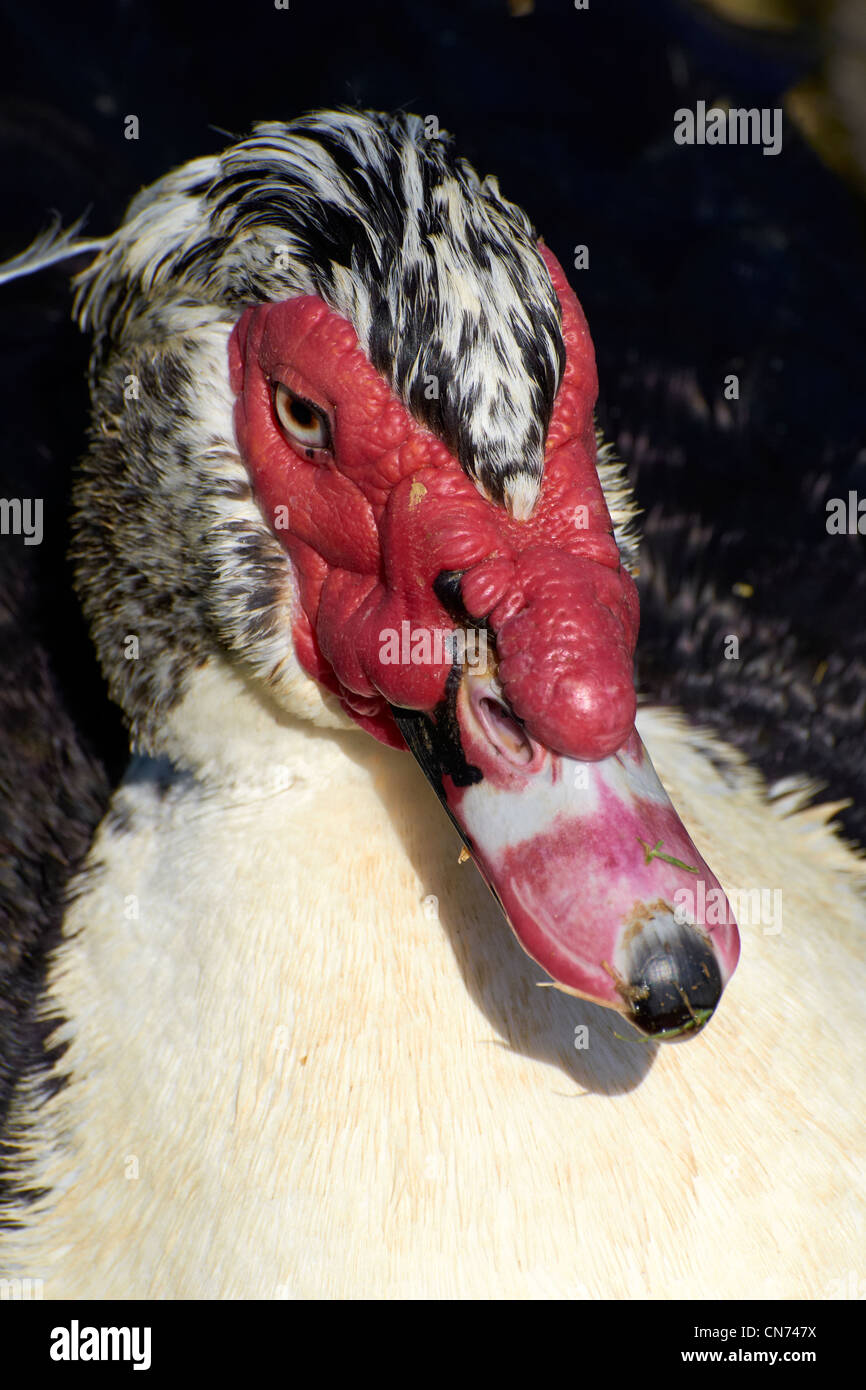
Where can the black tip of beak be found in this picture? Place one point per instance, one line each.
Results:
(675, 985)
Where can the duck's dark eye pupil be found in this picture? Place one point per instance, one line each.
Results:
(302, 414)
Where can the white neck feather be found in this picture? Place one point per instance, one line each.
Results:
(308, 1058)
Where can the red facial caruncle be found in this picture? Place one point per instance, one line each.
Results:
(388, 534)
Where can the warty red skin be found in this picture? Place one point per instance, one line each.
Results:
(371, 527)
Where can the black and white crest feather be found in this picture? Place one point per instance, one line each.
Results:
(438, 273)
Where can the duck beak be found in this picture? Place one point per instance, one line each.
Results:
(589, 861)
(534, 755)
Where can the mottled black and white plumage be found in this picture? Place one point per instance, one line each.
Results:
(438, 272)
(440, 277)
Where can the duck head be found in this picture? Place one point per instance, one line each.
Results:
(359, 457)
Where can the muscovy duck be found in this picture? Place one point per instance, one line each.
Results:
(344, 481)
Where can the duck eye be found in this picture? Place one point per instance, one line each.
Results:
(303, 422)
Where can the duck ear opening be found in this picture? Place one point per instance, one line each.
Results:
(51, 247)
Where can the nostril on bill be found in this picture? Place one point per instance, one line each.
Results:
(503, 730)
(674, 983)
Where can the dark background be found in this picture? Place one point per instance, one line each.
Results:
(703, 261)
